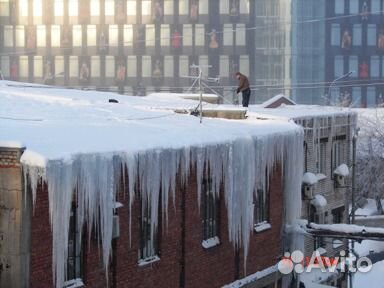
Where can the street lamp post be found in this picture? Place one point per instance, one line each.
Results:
(334, 81)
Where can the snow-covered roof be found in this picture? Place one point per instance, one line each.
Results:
(57, 123)
(319, 201)
(342, 170)
(309, 178)
(297, 111)
(279, 97)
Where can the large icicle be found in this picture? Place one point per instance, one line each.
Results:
(239, 165)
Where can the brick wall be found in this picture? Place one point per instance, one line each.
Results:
(196, 267)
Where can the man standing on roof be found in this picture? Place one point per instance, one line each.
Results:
(244, 88)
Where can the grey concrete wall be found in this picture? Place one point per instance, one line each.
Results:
(14, 221)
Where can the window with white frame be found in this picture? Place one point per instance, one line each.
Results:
(23, 67)
(335, 34)
(375, 6)
(38, 66)
(338, 66)
(224, 66)
(168, 7)
(37, 8)
(356, 97)
(110, 66)
(228, 35)
(165, 35)
(59, 66)
(338, 151)
(73, 66)
(41, 36)
(183, 7)
(23, 8)
(199, 35)
(73, 8)
(210, 210)
(224, 7)
(150, 35)
(183, 66)
(20, 36)
(8, 36)
(322, 156)
(109, 6)
(148, 235)
(95, 66)
(240, 35)
(203, 62)
(375, 66)
(55, 36)
(146, 8)
(95, 7)
(146, 66)
(371, 97)
(168, 63)
(5, 66)
(187, 35)
(357, 35)
(261, 205)
(91, 35)
(58, 8)
(77, 36)
(371, 37)
(244, 64)
(353, 6)
(131, 66)
(353, 65)
(244, 6)
(131, 8)
(128, 35)
(203, 7)
(113, 35)
(4, 8)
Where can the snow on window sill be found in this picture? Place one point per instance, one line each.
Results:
(211, 242)
(260, 227)
(149, 260)
(74, 283)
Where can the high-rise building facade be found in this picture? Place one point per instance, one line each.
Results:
(355, 52)
(136, 46)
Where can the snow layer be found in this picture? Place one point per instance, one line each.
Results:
(274, 99)
(319, 201)
(253, 277)
(346, 228)
(309, 178)
(373, 278)
(85, 141)
(11, 144)
(342, 170)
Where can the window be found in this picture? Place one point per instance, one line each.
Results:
(339, 6)
(322, 156)
(77, 36)
(164, 35)
(110, 66)
(73, 66)
(38, 66)
(228, 35)
(357, 35)
(148, 235)
(224, 66)
(55, 36)
(224, 6)
(168, 7)
(59, 66)
(91, 35)
(244, 6)
(58, 8)
(37, 8)
(146, 8)
(338, 66)
(375, 66)
(146, 66)
(371, 41)
(187, 35)
(131, 7)
(131, 66)
(23, 8)
(23, 66)
(41, 36)
(338, 151)
(20, 36)
(109, 8)
(150, 35)
(210, 210)
(356, 96)
(244, 64)
(353, 6)
(338, 215)
(335, 35)
(203, 6)
(375, 6)
(5, 66)
(95, 66)
(4, 7)
(240, 35)
(95, 7)
(113, 35)
(183, 66)
(183, 7)
(261, 207)
(73, 8)
(75, 259)
(128, 35)
(199, 35)
(168, 62)
(8, 36)
(353, 65)
(371, 97)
